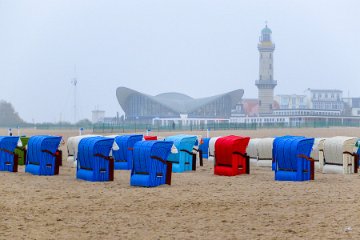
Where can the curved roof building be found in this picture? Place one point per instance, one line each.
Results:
(138, 105)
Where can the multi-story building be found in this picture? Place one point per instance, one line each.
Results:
(325, 99)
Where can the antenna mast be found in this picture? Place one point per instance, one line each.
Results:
(74, 82)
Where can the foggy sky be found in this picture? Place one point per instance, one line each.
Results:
(199, 48)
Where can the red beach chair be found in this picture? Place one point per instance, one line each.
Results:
(230, 156)
(148, 138)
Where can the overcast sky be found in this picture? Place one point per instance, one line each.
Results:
(199, 48)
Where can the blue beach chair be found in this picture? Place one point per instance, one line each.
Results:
(43, 157)
(123, 157)
(184, 159)
(204, 147)
(8, 158)
(93, 160)
(293, 162)
(150, 167)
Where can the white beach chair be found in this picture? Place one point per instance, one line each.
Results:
(212, 148)
(338, 155)
(252, 151)
(264, 148)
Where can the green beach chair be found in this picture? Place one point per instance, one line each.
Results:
(21, 151)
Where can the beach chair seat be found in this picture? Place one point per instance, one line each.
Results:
(43, 156)
(339, 155)
(21, 149)
(93, 160)
(204, 147)
(8, 157)
(150, 167)
(211, 155)
(230, 156)
(293, 162)
(197, 152)
(264, 149)
(184, 159)
(124, 155)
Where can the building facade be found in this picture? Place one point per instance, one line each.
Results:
(266, 82)
(325, 99)
(292, 101)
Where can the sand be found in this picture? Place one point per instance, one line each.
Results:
(198, 205)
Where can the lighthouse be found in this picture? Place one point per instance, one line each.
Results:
(266, 82)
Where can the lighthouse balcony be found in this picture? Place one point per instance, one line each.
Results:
(265, 83)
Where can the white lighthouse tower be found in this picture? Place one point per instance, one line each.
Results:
(266, 82)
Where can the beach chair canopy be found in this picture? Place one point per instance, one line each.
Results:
(293, 161)
(124, 155)
(41, 156)
(230, 155)
(8, 158)
(183, 159)
(94, 163)
(150, 167)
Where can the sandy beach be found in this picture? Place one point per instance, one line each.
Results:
(198, 205)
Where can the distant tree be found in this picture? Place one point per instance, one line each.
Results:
(8, 116)
(84, 123)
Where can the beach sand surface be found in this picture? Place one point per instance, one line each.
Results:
(198, 205)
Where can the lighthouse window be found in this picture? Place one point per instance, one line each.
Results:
(270, 66)
(270, 56)
(270, 77)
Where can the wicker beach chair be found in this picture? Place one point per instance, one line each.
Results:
(264, 148)
(8, 157)
(94, 162)
(184, 159)
(211, 155)
(123, 156)
(230, 156)
(339, 155)
(43, 156)
(150, 167)
(21, 149)
(293, 162)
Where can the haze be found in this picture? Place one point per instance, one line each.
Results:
(199, 48)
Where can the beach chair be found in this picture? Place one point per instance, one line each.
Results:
(20, 150)
(93, 160)
(123, 156)
(317, 147)
(8, 157)
(197, 151)
(149, 138)
(252, 151)
(230, 156)
(184, 159)
(293, 162)
(43, 156)
(339, 155)
(204, 147)
(211, 155)
(150, 167)
(73, 145)
(264, 148)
